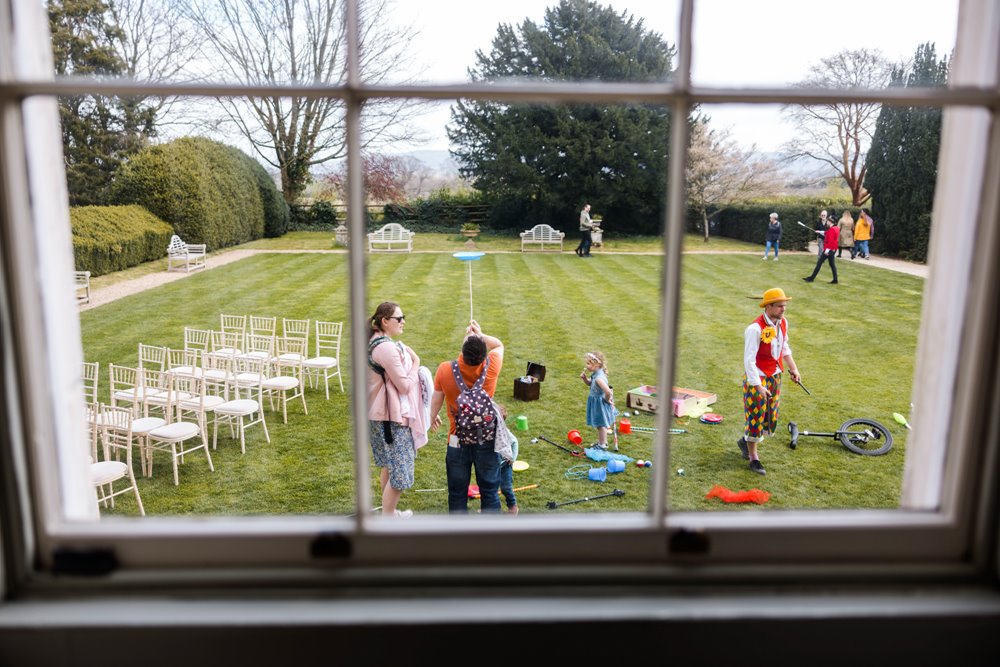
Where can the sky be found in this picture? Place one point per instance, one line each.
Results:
(737, 42)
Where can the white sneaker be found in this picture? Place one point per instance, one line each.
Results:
(764, 258)
(404, 514)
(776, 259)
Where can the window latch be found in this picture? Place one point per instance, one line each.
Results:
(331, 545)
(84, 561)
(689, 542)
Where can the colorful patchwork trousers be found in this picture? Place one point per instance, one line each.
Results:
(761, 416)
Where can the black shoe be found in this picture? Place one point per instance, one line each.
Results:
(834, 282)
(808, 280)
(742, 444)
(756, 467)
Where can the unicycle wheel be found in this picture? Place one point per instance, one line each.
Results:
(865, 436)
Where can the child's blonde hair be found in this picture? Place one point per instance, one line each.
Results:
(598, 356)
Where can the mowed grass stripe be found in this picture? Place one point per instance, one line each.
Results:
(854, 343)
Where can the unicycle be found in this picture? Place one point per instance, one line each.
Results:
(862, 436)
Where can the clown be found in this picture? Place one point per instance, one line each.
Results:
(765, 355)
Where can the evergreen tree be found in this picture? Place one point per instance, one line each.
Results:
(546, 161)
(99, 132)
(902, 162)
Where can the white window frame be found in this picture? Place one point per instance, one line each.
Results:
(944, 531)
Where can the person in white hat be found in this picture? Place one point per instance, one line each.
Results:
(765, 355)
(773, 236)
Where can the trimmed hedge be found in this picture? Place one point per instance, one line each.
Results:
(748, 222)
(276, 211)
(207, 191)
(112, 238)
(443, 211)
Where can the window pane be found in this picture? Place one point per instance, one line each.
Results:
(854, 342)
(250, 276)
(736, 43)
(519, 177)
(551, 41)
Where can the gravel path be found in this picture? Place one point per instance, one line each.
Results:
(99, 297)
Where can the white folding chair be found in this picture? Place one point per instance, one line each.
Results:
(262, 326)
(184, 362)
(152, 357)
(285, 380)
(89, 373)
(173, 436)
(157, 394)
(295, 328)
(326, 363)
(116, 435)
(246, 409)
(200, 402)
(259, 347)
(227, 343)
(127, 386)
(197, 339)
(234, 324)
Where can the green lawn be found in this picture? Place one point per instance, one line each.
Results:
(854, 344)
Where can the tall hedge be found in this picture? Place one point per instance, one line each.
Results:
(112, 238)
(748, 222)
(206, 190)
(276, 210)
(445, 211)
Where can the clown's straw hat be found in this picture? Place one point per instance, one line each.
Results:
(773, 295)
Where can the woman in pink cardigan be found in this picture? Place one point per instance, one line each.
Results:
(396, 417)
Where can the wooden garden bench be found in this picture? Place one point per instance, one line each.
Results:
(82, 286)
(541, 234)
(186, 256)
(391, 238)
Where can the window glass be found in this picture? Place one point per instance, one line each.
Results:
(531, 39)
(792, 43)
(854, 342)
(513, 153)
(515, 296)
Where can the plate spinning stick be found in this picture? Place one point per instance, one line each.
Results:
(469, 256)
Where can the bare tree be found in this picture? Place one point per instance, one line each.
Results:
(303, 42)
(720, 172)
(156, 44)
(840, 134)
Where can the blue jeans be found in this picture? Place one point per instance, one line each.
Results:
(507, 483)
(767, 251)
(459, 462)
(861, 247)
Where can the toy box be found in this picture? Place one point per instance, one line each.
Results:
(691, 402)
(642, 398)
(684, 402)
(528, 386)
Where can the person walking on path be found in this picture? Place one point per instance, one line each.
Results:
(395, 407)
(772, 237)
(846, 227)
(863, 232)
(829, 248)
(820, 232)
(766, 353)
(586, 225)
(481, 359)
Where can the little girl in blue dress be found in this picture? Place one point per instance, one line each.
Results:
(600, 400)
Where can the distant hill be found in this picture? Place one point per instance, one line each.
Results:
(438, 160)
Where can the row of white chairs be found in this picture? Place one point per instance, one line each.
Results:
(282, 359)
(261, 340)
